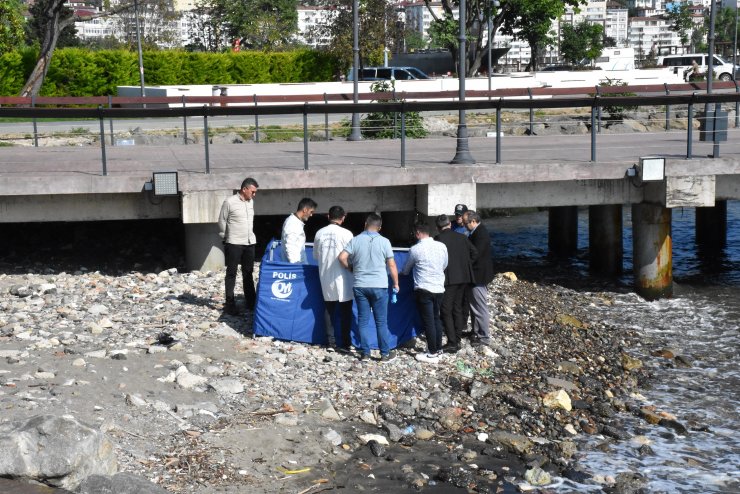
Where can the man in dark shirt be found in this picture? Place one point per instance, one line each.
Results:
(458, 277)
(482, 276)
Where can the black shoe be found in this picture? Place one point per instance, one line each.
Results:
(387, 358)
(344, 350)
(449, 348)
(364, 357)
(230, 309)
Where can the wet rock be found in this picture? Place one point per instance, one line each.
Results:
(557, 399)
(615, 432)
(682, 361)
(537, 477)
(459, 477)
(513, 442)
(59, 451)
(376, 448)
(628, 483)
(630, 363)
(645, 450)
(568, 320)
(664, 353)
(675, 425)
(120, 483)
(576, 475)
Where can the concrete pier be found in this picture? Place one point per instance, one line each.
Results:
(605, 239)
(711, 226)
(652, 250)
(562, 230)
(203, 247)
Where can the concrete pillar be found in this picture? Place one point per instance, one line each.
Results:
(711, 226)
(398, 227)
(652, 250)
(203, 247)
(605, 239)
(562, 230)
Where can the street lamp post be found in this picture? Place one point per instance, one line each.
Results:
(462, 153)
(355, 134)
(494, 3)
(138, 42)
(734, 68)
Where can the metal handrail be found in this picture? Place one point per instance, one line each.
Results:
(594, 100)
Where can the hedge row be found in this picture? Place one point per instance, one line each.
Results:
(80, 72)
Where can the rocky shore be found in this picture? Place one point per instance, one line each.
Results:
(181, 398)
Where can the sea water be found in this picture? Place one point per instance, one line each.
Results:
(701, 321)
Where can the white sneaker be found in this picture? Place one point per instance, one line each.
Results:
(427, 357)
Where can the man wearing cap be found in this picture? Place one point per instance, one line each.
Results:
(459, 226)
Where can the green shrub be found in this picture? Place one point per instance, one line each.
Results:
(81, 72)
(383, 125)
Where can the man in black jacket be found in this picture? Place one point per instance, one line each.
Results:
(458, 277)
(482, 276)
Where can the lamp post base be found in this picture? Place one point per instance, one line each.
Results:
(355, 134)
(462, 153)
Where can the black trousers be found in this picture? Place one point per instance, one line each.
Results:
(454, 312)
(345, 318)
(429, 304)
(240, 255)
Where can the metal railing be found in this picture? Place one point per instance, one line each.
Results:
(400, 103)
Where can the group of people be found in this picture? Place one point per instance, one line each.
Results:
(451, 271)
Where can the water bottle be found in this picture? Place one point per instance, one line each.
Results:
(394, 296)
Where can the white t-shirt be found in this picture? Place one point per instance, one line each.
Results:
(294, 240)
(336, 282)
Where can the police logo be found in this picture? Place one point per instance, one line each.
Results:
(282, 289)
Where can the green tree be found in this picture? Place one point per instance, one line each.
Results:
(11, 25)
(258, 24)
(35, 25)
(205, 34)
(724, 30)
(157, 26)
(531, 21)
(528, 20)
(679, 16)
(582, 41)
(386, 125)
(377, 22)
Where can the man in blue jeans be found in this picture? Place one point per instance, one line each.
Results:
(428, 259)
(368, 255)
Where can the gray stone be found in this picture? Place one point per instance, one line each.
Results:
(120, 483)
(395, 434)
(479, 390)
(226, 386)
(327, 411)
(556, 382)
(97, 309)
(537, 477)
(332, 437)
(59, 451)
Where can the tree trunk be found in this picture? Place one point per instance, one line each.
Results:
(52, 28)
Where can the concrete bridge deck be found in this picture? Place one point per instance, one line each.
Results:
(370, 163)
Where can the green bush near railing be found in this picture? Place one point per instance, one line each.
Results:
(80, 72)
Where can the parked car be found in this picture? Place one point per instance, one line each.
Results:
(388, 73)
(680, 64)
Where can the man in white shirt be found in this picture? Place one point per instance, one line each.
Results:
(293, 239)
(336, 282)
(428, 259)
(236, 228)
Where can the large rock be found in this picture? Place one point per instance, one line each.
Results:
(513, 442)
(121, 483)
(58, 451)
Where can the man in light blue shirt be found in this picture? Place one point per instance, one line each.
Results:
(428, 259)
(367, 256)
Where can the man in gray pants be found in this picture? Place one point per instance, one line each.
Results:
(482, 276)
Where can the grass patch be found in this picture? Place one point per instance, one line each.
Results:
(6, 144)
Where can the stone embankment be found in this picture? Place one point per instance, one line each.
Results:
(177, 397)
